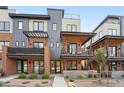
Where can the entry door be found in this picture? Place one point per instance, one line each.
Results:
(22, 66)
(57, 66)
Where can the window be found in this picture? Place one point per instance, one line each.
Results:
(51, 44)
(71, 28)
(39, 67)
(112, 66)
(3, 43)
(16, 43)
(20, 25)
(112, 31)
(54, 26)
(38, 45)
(57, 44)
(38, 26)
(112, 51)
(71, 65)
(23, 43)
(100, 34)
(72, 48)
(4, 26)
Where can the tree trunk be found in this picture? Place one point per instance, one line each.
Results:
(100, 70)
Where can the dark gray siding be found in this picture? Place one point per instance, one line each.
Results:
(54, 36)
(18, 34)
(122, 32)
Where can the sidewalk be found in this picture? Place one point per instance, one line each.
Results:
(8, 78)
(59, 81)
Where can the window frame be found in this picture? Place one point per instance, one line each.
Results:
(71, 25)
(38, 22)
(38, 44)
(19, 25)
(17, 42)
(110, 29)
(4, 26)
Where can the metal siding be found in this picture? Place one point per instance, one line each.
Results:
(54, 36)
(18, 34)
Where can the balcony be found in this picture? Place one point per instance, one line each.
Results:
(25, 52)
(81, 55)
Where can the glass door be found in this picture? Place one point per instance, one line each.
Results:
(39, 67)
(58, 67)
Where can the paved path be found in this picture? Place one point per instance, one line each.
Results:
(59, 81)
(8, 78)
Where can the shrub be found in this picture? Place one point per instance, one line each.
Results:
(1, 83)
(83, 76)
(95, 76)
(33, 76)
(90, 75)
(45, 76)
(22, 76)
(67, 76)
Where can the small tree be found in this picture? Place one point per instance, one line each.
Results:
(100, 58)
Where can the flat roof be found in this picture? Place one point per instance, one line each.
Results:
(106, 18)
(31, 16)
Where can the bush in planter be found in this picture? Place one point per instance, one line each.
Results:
(90, 75)
(22, 76)
(45, 76)
(1, 83)
(33, 76)
(82, 76)
(37, 85)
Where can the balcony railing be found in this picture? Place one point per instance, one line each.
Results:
(72, 16)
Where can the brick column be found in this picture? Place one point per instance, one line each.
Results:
(47, 59)
(30, 66)
(9, 65)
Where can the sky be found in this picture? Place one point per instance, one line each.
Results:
(90, 16)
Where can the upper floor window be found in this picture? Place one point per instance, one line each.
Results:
(54, 27)
(112, 51)
(38, 26)
(72, 48)
(100, 34)
(112, 31)
(71, 28)
(17, 43)
(3, 43)
(4, 26)
(38, 45)
(57, 44)
(51, 44)
(23, 43)
(20, 25)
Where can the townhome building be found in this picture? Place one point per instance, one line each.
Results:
(42, 43)
(110, 36)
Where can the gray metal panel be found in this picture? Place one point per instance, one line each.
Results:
(18, 34)
(54, 36)
(122, 32)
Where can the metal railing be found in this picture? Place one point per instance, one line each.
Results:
(72, 16)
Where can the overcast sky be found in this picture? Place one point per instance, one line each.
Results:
(90, 16)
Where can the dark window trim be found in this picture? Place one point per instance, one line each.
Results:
(71, 27)
(71, 64)
(4, 30)
(39, 66)
(38, 25)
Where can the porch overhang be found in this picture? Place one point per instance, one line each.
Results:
(80, 36)
(25, 52)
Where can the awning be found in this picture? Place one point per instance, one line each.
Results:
(36, 34)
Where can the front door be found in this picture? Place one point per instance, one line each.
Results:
(22, 66)
(57, 66)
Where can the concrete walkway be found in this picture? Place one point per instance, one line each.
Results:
(8, 78)
(59, 81)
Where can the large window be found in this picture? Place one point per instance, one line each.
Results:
(4, 26)
(112, 51)
(20, 25)
(38, 45)
(3, 43)
(39, 67)
(112, 31)
(72, 65)
(72, 48)
(38, 26)
(71, 28)
(112, 66)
